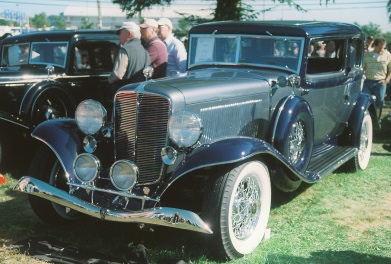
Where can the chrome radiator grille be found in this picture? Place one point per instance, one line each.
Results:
(140, 131)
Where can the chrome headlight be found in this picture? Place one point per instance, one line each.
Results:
(124, 174)
(185, 128)
(90, 116)
(86, 167)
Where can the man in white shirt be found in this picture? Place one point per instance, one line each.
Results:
(177, 54)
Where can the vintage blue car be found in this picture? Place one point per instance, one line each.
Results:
(201, 150)
(45, 75)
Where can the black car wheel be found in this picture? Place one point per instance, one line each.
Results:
(46, 167)
(49, 105)
(237, 207)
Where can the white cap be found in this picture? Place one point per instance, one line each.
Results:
(165, 22)
(129, 26)
(149, 22)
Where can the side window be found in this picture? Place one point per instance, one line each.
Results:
(356, 52)
(326, 56)
(94, 56)
(49, 53)
(82, 59)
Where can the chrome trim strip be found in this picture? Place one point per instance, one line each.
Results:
(162, 216)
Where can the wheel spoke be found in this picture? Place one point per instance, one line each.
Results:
(246, 208)
(296, 141)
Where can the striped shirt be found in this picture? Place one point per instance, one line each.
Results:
(377, 65)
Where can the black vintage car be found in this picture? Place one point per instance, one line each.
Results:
(201, 150)
(45, 75)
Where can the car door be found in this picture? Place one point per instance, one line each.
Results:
(328, 87)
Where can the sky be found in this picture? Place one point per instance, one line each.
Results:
(360, 11)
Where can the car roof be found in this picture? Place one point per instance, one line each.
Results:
(279, 27)
(58, 35)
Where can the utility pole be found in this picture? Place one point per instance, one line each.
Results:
(99, 15)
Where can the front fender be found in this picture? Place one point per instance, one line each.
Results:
(233, 150)
(62, 136)
(12, 119)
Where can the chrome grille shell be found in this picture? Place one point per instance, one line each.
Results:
(140, 131)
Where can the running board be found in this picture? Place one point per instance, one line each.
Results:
(328, 161)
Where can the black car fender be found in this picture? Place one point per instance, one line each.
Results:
(12, 119)
(63, 138)
(40, 89)
(364, 103)
(232, 150)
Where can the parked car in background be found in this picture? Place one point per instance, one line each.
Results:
(42, 76)
(199, 151)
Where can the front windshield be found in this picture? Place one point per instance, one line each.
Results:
(53, 53)
(265, 51)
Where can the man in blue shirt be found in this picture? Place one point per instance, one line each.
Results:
(177, 54)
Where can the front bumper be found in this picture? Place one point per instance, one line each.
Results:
(162, 216)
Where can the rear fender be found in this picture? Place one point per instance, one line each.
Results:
(63, 138)
(364, 103)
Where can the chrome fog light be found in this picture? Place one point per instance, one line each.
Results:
(89, 144)
(87, 167)
(124, 174)
(169, 155)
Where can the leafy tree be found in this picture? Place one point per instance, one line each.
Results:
(58, 22)
(371, 29)
(40, 20)
(4, 22)
(86, 24)
(389, 10)
(225, 9)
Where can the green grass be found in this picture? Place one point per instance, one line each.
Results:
(345, 218)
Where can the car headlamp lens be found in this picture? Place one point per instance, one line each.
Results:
(124, 174)
(86, 167)
(185, 128)
(90, 116)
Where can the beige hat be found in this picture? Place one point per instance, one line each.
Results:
(128, 25)
(149, 22)
(165, 22)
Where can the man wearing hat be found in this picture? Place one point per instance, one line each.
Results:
(177, 54)
(155, 47)
(131, 58)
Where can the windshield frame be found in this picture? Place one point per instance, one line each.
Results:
(205, 54)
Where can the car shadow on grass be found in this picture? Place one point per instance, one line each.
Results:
(18, 223)
(335, 257)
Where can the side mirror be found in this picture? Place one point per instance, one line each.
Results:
(282, 81)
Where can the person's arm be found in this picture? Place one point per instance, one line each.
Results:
(120, 66)
(153, 52)
(181, 57)
(388, 77)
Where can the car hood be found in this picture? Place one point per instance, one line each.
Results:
(212, 84)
